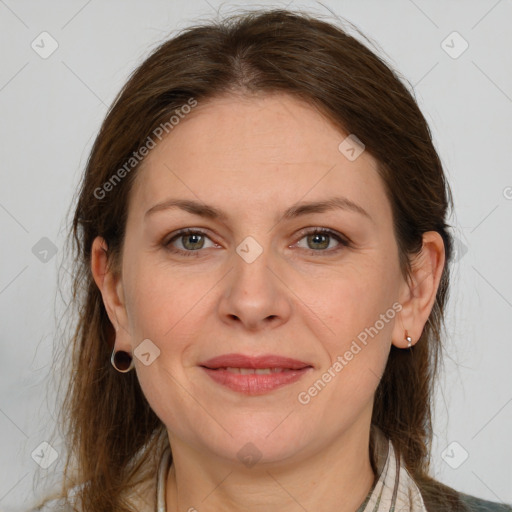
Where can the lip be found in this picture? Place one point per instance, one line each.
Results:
(254, 362)
(284, 371)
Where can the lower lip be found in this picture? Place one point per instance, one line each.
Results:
(254, 384)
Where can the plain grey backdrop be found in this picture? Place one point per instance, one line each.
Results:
(62, 65)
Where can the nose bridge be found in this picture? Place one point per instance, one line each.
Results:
(251, 271)
(254, 294)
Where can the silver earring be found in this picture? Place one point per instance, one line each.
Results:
(122, 361)
(408, 339)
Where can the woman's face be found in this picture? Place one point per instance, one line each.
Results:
(254, 280)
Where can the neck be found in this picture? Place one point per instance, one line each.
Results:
(334, 479)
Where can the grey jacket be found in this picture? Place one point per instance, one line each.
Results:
(479, 505)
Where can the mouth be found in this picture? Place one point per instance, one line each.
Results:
(254, 375)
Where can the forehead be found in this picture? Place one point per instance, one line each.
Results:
(249, 154)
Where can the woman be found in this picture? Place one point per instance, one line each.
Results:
(262, 270)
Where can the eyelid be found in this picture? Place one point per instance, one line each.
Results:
(323, 230)
(185, 231)
(343, 240)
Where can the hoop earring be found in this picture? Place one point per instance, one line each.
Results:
(408, 339)
(122, 361)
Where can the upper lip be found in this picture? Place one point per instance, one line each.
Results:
(255, 362)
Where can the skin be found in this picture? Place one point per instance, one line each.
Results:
(253, 157)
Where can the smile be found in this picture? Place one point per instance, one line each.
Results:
(254, 375)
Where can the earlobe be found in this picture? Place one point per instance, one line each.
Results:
(419, 295)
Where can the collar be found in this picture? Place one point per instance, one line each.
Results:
(393, 489)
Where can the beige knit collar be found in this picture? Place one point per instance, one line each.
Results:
(394, 489)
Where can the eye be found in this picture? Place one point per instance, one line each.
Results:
(318, 240)
(192, 240)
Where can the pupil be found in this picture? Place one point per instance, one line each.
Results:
(317, 236)
(194, 239)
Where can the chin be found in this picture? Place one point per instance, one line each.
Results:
(268, 440)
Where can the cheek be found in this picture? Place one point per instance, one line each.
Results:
(357, 353)
(352, 301)
(159, 298)
(357, 310)
(162, 305)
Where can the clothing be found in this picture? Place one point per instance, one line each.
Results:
(394, 490)
(387, 494)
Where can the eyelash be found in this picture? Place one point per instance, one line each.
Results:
(344, 242)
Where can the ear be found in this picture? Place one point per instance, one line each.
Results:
(418, 298)
(111, 288)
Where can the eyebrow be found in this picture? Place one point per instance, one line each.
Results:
(294, 211)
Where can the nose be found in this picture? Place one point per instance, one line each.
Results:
(255, 295)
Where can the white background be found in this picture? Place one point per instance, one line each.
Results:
(51, 110)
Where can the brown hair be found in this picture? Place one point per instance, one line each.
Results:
(111, 431)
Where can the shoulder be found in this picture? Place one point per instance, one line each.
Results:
(439, 497)
(475, 504)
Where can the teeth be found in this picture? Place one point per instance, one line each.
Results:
(257, 371)
(263, 371)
